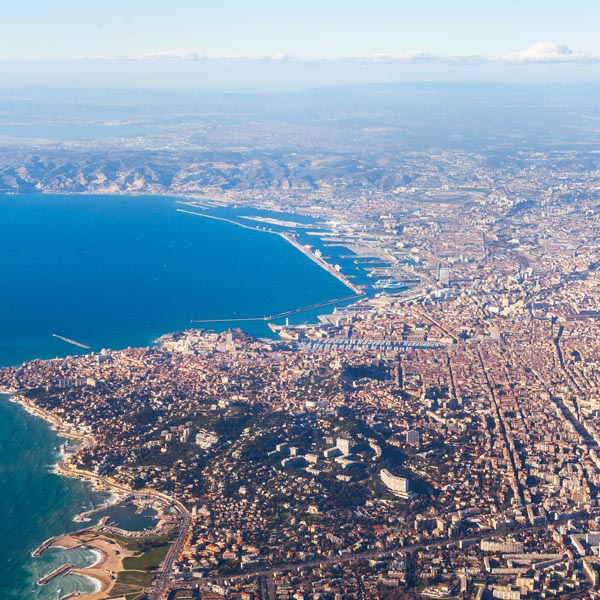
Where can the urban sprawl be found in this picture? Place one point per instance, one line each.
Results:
(437, 438)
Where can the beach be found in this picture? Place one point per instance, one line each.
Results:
(109, 563)
(110, 553)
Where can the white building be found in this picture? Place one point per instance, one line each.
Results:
(399, 486)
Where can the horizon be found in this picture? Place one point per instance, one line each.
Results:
(236, 46)
(292, 74)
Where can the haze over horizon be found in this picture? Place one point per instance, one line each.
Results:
(264, 45)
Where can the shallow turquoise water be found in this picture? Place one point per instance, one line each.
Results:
(35, 503)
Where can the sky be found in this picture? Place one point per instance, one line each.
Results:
(328, 40)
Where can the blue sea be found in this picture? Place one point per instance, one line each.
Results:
(112, 272)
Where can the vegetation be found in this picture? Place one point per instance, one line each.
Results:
(149, 560)
(135, 578)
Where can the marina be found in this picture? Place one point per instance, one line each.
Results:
(370, 344)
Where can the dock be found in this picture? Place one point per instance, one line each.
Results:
(290, 239)
(62, 570)
(323, 264)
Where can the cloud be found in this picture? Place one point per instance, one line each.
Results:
(175, 55)
(167, 55)
(282, 57)
(548, 52)
(540, 53)
(399, 57)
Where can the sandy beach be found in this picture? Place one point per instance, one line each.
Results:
(109, 563)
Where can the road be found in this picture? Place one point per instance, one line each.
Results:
(268, 574)
(162, 578)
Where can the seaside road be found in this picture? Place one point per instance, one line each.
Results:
(162, 578)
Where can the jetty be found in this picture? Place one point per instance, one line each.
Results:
(43, 546)
(70, 341)
(290, 239)
(281, 315)
(62, 570)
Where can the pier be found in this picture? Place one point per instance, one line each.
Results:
(43, 546)
(70, 341)
(323, 264)
(62, 570)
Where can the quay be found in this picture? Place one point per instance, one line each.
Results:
(70, 341)
(323, 264)
(62, 570)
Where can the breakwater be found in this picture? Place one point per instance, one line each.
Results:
(62, 570)
(70, 341)
(288, 238)
(281, 315)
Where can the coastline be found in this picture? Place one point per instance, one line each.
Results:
(103, 571)
(110, 562)
(94, 572)
(46, 348)
(288, 238)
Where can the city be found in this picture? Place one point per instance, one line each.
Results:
(436, 440)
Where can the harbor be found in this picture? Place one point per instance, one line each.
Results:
(335, 271)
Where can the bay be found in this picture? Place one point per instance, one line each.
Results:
(112, 272)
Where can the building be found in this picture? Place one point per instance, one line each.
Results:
(413, 437)
(508, 546)
(344, 446)
(399, 486)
